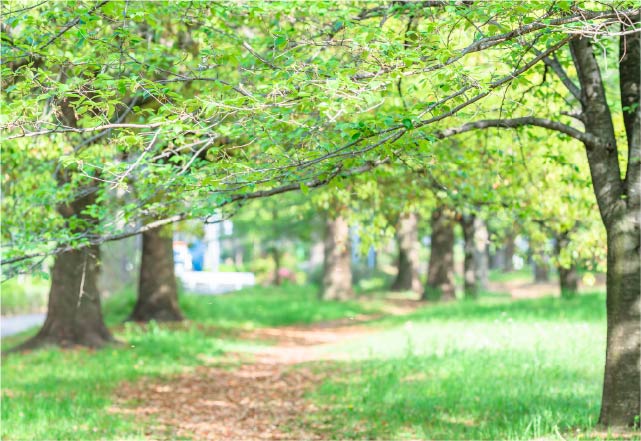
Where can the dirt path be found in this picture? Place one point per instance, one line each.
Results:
(248, 397)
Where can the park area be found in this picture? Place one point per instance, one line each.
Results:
(278, 220)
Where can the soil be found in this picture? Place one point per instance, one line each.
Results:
(261, 396)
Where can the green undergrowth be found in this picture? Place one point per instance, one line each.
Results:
(23, 294)
(254, 307)
(65, 394)
(491, 369)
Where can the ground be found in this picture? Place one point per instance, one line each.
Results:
(261, 396)
(386, 367)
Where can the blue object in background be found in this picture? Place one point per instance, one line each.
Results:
(371, 258)
(197, 251)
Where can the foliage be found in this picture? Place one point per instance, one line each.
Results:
(23, 294)
(243, 100)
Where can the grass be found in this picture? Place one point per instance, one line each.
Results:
(253, 307)
(65, 394)
(491, 369)
(487, 369)
(523, 274)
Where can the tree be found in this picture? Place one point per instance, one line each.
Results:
(337, 271)
(305, 91)
(74, 314)
(619, 202)
(407, 278)
(475, 265)
(157, 289)
(568, 274)
(440, 271)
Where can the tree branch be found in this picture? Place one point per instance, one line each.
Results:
(519, 122)
(553, 62)
(294, 186)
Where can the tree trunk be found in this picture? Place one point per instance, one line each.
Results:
(509, 248)
(74, 314)
(407, 278)
(440, 272)
(619, 203)
(622, 380)
(157, 289)
(568, 276)
(337, 276)
(497, 258)
(475, 266)
(541, 269)
(277, 274)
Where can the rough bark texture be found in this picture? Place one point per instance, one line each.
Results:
(74, 315)
(568, 276)
(337, 273)
(157, 289)
(620, 206)
(440, 272)
(407, 278)
(475, 265)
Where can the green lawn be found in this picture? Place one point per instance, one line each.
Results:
(491, 369)
(65, 394)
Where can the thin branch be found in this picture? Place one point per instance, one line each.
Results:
(553, 62)
(314, 183)
(519, 122)
(91, 129)
(23, 9)
(73, 22)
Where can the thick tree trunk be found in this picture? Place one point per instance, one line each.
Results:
(622, 380)
(475, 266)
(74, 314)
(440, 272)
(620, 208)
(157, 289)
(407, 278)
(337, 276)
(568, 275)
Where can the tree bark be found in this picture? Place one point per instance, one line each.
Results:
(74, 314)
(440, 272)
(568, 276)
(619, 202)
(157, 288)
(475, 266)
(337, 276)
(620, 208)
(407, 278)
